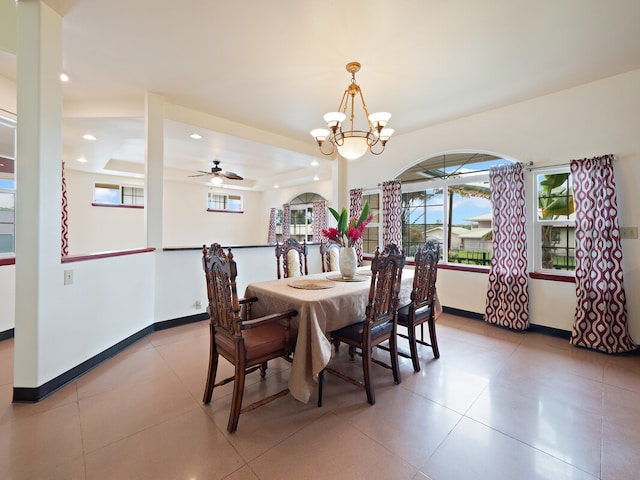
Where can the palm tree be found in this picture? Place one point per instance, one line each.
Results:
(555, 200)
(464, 191)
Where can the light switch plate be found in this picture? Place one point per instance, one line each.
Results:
(629, 233)
(68, 277)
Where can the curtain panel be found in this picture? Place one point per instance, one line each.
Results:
(507, 301)
(286, 221)
(271, 236)
(319, 219)
(355, 209)
(600, 320)
(392, 213)
(65, 217)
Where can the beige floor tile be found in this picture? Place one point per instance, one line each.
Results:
(475, 451)
(620, 445)
(188, 446)
(35, 446)
(330, 448)
(126, 368)
(116, 414)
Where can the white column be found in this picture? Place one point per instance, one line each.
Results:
(340, 188)
(39, 273)
(154, 169)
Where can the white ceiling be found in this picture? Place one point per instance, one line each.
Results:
(268, 71)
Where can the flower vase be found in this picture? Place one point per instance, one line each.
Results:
(348, 262)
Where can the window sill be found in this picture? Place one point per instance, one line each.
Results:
(115, 206)
(7, 261)
(224, 211)
(554, 277)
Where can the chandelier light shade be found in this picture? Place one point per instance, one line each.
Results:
(353, 143)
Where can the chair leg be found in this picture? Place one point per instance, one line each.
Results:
(236, 400)
(213, 369)
(263, 369)
(320, 382)
(411, 331)
(366, 368)
(393, 352)
(434, 340)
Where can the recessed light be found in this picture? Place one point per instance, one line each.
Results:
(276, 186)
(82, 160)
(316, 178)
(196, 136)
(315, 163)
(64, 77)
(88, 136)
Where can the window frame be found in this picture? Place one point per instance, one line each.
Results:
(537, 223)
(227, 200)
(121, 195)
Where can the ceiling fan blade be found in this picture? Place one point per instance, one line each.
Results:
(201, 174)
(231, 175)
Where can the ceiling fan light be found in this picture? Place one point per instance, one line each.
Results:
(217, 181)
(353, 147)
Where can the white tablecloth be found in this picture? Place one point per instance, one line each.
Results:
(319, 312)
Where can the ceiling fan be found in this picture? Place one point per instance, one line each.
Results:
(216, 171)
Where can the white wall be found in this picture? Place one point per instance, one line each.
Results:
(593, 119)
(94, 229)
(112, 298)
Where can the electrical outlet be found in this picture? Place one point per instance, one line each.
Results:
(629, 233)
(68, 277)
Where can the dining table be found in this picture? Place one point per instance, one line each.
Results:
(325, 302)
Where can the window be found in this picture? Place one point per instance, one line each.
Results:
(301, 221)
(113, 194)
(7, 221)
(554, 220)
(446, 199)
(223, 202)
(373, 231)
(7, 185)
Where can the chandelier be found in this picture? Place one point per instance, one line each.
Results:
(352, 143)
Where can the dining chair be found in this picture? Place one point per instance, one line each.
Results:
(421, 308)
(330, 256)
(291, 258)
(247, 343)
(379, 323)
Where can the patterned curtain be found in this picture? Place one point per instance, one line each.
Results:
(271, 237)
(508, 293)
(319, 218)
(286, 221)
(392, 213)
(65, 217)
(355, 209)
(601, 318)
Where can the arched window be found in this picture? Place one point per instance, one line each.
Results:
(301, 217)
(446, 199)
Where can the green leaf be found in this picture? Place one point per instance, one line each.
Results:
(560, 206)
(554, 180)
(364, 214)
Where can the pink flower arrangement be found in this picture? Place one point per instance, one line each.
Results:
(349, 230)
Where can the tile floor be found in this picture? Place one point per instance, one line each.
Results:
(496, 405)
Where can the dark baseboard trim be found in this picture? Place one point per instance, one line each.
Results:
(463, 313)
(7, 334)
(35, 394)
(176, 322)
(554, 332)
